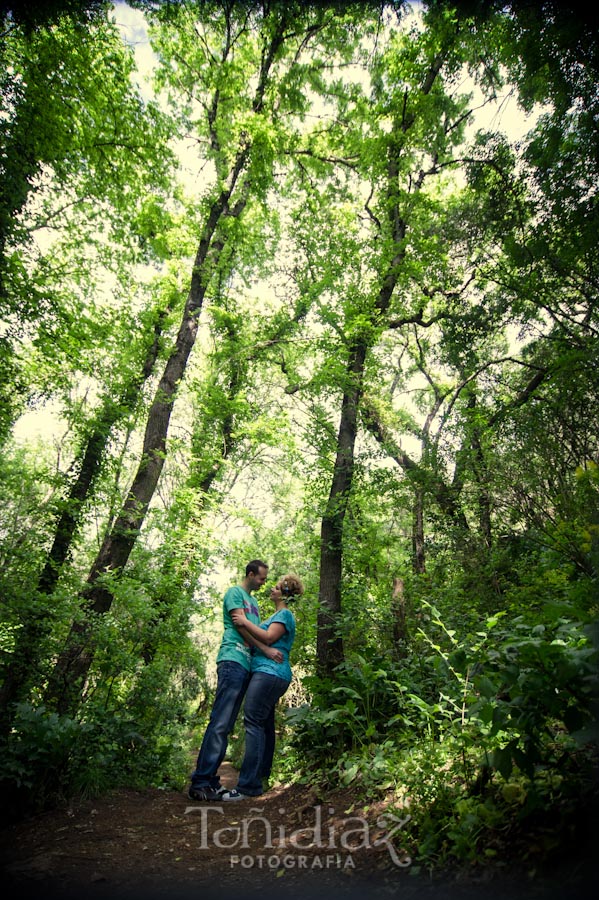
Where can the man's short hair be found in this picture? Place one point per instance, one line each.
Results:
(254, 567)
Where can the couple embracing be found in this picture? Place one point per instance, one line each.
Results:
(253, 662)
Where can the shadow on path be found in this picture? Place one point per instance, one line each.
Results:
(289, 843)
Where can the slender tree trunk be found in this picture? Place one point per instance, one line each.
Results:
(72, 666)
(484, 502)
(418, 551)
(398, 612)
(202, 482)
(329, 645)
(31, 636)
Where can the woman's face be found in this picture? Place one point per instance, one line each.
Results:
(275, 593)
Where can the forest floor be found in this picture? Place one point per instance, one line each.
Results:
(291, 842)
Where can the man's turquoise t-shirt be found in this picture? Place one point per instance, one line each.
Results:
(233, 647)
(261, 663)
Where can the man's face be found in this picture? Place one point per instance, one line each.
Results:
(258, 579)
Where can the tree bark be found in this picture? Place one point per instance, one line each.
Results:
(418, 551)
(400, 625)
(22, 667)
(329, 643)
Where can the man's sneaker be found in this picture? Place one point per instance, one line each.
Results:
(233, 795)
(204, 794)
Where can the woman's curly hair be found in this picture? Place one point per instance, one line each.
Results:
(291, 587)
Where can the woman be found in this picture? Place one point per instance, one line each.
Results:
(269, 681)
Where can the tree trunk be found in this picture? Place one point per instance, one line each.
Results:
(484, 502)
(72, 666)
(418, 552)
(201, 482)
(398, 611)
(329, 644)
(30, 638)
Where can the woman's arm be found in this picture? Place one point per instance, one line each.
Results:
(271, 652)
(268, 635)
(259, 641)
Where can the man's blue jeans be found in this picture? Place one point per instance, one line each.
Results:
(232, 682)
(262, 695)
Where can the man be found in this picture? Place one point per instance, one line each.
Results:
(233, 674)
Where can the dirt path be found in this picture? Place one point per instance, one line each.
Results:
(159, 844)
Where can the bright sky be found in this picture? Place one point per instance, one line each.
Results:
(504, 114)
(132, 25)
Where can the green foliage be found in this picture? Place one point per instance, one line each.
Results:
(537, 687)
(479, 732)
(357, 709)
(40, 753)
(80, 150)
(49, 758)
(338, 201)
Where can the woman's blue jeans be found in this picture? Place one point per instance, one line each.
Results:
(263, 693)
(232, 682)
